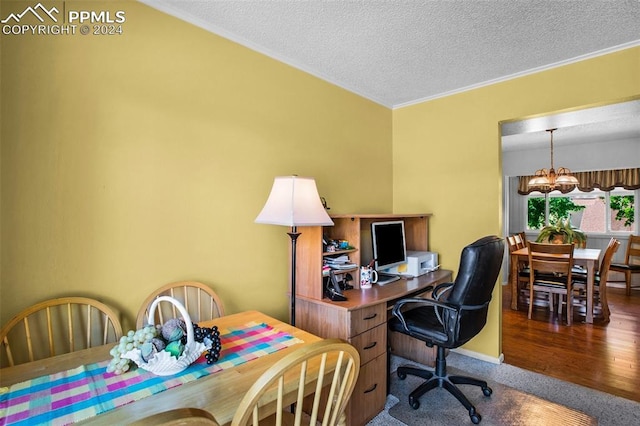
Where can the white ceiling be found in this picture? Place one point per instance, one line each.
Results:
(399, 52)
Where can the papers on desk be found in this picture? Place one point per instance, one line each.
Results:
(339, 262)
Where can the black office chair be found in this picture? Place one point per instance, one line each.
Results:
(456, 314)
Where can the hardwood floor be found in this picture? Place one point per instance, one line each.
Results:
(602, 356)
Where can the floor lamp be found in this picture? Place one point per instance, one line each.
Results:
(294, 201)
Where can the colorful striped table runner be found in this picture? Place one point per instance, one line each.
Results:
(86, 391)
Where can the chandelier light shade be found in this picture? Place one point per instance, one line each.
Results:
(294, 201)
(550, 179)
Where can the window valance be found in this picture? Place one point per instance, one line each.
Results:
(605, 180)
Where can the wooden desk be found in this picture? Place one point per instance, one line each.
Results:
(219, 393)
(362, 321)
(585, 257)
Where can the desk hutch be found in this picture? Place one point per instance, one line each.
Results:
(362, 318)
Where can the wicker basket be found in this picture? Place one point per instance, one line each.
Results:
(163, 363)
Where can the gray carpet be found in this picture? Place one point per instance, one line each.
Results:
(549, 400)
(507, 406)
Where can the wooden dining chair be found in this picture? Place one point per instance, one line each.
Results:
(58, 326)
(310, 385)
(200, 301)
(523, 238)
(178, 417)
(600, 279)
(550, 268)
(522, 267)
(631, 264)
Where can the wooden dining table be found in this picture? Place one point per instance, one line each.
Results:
(581, 256)
(219, 393)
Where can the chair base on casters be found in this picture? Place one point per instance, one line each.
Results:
(438, 378)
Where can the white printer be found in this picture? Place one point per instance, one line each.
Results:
(418, 263)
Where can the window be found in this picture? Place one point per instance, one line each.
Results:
(593, 212)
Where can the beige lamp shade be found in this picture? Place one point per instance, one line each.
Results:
(294, 201)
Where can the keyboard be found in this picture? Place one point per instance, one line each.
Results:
(384, 279)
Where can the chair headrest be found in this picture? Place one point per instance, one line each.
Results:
(480, 264)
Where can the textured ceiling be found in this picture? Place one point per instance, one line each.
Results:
(399, 52)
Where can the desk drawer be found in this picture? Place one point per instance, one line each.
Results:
(366, 318)
(371, 343)
(370, 392)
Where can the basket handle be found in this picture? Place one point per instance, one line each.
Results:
(183, 312)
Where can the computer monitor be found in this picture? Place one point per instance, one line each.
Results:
(389, 246)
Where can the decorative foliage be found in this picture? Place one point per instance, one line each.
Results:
(562, 233)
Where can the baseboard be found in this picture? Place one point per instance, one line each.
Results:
(478, 355)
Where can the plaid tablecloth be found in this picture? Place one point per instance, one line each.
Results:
(86, 391)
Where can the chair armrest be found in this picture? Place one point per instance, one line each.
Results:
(440, 289)
(397, 308)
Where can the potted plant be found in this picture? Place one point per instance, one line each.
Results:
(562, 233)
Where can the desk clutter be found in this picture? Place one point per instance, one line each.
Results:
(336, 276)
(338, 263)
(334, 286)
(331, 246)
(89, 390)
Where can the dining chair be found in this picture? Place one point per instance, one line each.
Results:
(522, 267)
(178, 417)
(58, 326)
(200, 301)
(550, 268)
(600, 279)
(523, 238)
(312, 384)
(631, 263)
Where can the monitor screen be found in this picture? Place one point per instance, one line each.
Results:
(388, 241)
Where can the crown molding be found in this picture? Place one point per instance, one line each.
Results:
(523, 73)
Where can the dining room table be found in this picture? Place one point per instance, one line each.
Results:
(588, 258)
(251, 342)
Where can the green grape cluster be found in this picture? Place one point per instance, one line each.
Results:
(132, 340)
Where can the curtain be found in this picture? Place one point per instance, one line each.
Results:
(605, 180)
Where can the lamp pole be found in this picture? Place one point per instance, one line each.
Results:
(294, 234)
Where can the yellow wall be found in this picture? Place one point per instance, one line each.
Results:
(447, 153)
(136, 160)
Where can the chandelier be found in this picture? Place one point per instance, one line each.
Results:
(550, 179)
